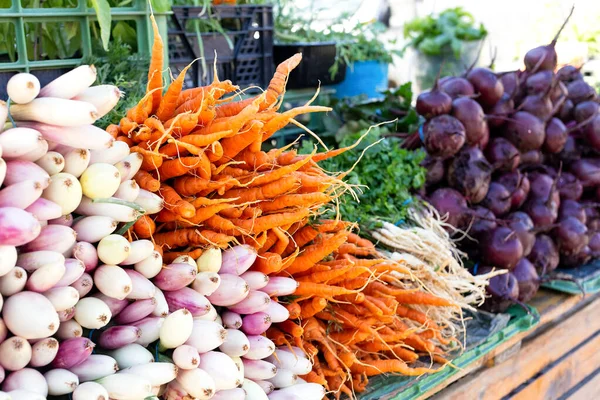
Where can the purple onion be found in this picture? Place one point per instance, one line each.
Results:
(72, 352)
(141, 287)
(189, 299)
(53, 237)
(65, 220)
(150, 329)
(277, 312)
(232, 290)
(84, 284)
(66, 315)
(87, 254)
(175, 276)
(255, 280)
(115, 305)
(135, 311)
(74, 270)
(256, 324)
(118, 336)
(17, 226)
(256, 301)
(237, 259)
(280, 286)
(44, 210)
(95, 367)
(258, 369)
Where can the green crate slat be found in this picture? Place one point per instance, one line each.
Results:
(18, 15)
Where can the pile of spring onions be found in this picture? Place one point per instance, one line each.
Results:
(89, 314)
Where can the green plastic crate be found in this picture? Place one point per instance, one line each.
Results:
(587, 277)
(16, 17)
(408, 388)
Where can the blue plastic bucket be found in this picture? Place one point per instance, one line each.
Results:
(364, 78)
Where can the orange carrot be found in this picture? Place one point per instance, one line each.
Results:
(321, 290)
(168, 102)
(423, 298)
(291, 328)
(127, 125)
(125, 139)
(156, 66)
(269, 191)
(146, 181)
(232, 146)
(270, 221)
(294, 310)
(294, 200)
(312, 307)
(181, 166)
(267, 263)
(315, 253)
(144, 227)
(113, 130)
(152, 160)
(191, 236)
(283, 119)
(282, 241)
(360, 242)
(169, 257)
(174, 202)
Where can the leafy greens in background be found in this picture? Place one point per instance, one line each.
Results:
(387, 176)
(434, 35)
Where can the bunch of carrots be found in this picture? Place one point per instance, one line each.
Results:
(202, 153)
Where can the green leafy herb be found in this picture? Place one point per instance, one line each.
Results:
(102, 9)
(387, 175)
(446, 32)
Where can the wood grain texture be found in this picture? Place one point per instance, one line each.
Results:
(590, 390)
(500, 380)
(564, 375)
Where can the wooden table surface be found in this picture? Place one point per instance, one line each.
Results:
(559, 359)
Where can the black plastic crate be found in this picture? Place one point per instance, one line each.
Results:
(250, 29)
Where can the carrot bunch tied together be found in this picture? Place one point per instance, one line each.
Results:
(357, 318)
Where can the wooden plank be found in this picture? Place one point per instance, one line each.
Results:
(500, 380)
(564, 375)
(590, 390)
(551, 304)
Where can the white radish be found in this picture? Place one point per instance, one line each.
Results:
(136, 311)
(128, 190)
(266, 386)
(86, 253)
(256, 392)
(52, 162)
(139, 250)
(45, 210)
(259, 369)
(76, 161)
(15, 353)
(113, 249)
(118, 212)
(21, 195)
(150, 328)
(112, 281)
(238, 259)
(284, 378)
(43, 352)
(255, 280)
(131, 355)
(280, 286)
(53, 237)
(96, 366)
(61, 381)
(126, 386)
(62, 297)
(206, 335)
(17, 142)
(150, 266)
(45, 277)
(157, 373)
(30, 315)
(93, 228)
(36, 153)
(293, 362)
(176, 329)
(26, 379)
(260, 347)
(90, 391)
(100, 181)
(149, 201)
(162, 307)
(185, 259)
(186, 357)
(83, 285)
(70, 84)
(8, 259)
(206, 283)
(236, 343)
(142, 288)
(34, 260)
(64, 190)
(231, 290)
(22, 88)
(256, 301)
(20, 170)
(129, 166)
(92, 313)
(68, 330)
(277, 312)
(55, 111)
(232, 320)
(111, 155)
(222, 369)
(197, 383)
(82, 137)
(103, 97)
(240, 367)
(300, 391)
(211, 315)
(13, 282)
(210, 260)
